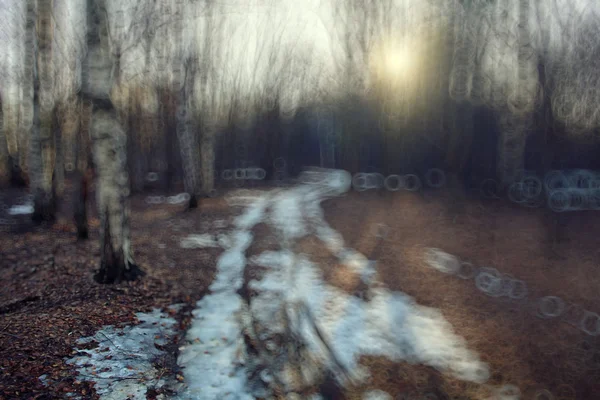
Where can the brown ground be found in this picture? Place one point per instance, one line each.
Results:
(48, 299)
(554, 254)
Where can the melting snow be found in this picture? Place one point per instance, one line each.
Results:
(376, 395)
(393, 324)
(121, 365)
(21, 209)
(199, 241)
(214, 359)
(212, 363)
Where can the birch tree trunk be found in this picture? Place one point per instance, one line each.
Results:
(511, 148)
(459, 139)
(32, 121)
(136, 138)
(516, 125)
(80, 197)
(109, 147)
(29, 80)
(188, 144)
(26, 120)
(46, 99)
(41, 150)
(112, 196)
(325, 130)
(4, 161)
(207, 156)
(208, 142)
(9, 143)
(59, 160)
(170, 146)
(82, 165)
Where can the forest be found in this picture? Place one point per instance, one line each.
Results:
(299, 199)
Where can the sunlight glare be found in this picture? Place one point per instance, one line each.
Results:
(399, 61)
(396, 63)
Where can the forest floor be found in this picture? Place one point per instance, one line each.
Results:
(48, 299)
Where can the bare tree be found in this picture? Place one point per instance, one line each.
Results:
(12, 76)
(186, 135)
(4, 159)
(361, 26)
(109, 143)
(184, 75)
(496, 65)
(10, 160)
(83, 167)
(210, 77)
(130, 27)
(521, 103)
(39, 31)
(46, 105)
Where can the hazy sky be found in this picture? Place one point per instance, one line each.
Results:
(247, 30)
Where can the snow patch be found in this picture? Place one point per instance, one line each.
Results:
(287, 215)
(393, 325)
(122, 364)
(376, 395)
(389, 324)
(213, 361)
(199, 241)
(253, 215)
(22, 209)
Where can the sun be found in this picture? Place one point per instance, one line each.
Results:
(399, 61)
(395, 63)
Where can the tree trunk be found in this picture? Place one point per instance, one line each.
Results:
(41, 167)
(41, 155)
(511, 148)
(169, 148)
(49, 123)
(83, 176)
(21, 159)
(112, 192)
(31, 118)
(325, 128)
(48, 151)
(516, 124)
(545, 123)
(459, 138)
(207, 150)
(134, 146)
(43, 202)
(109, 144)
(9, 145)
(187, 144)
(80, 197)
(5, 169)
(59, 160)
